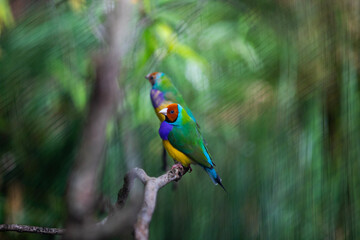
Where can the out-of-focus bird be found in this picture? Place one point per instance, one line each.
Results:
(184, 142)
(163, 93)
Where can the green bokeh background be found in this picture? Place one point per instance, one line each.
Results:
(273, 84)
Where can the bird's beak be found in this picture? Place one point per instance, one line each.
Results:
(147, 76)
(163, 111)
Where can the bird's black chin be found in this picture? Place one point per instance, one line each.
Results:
(169, 121)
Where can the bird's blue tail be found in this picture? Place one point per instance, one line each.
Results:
(214, 176)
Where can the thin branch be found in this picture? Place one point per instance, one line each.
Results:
(30, 229)
(111, 226)
(152, 186)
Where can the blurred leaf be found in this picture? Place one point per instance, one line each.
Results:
(71, 83)
(169, 38)
(77, 5)
(6, 18)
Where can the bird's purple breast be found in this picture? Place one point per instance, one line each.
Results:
(164, 130)
(157, 97)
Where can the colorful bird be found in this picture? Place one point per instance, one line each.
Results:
(163, 93)
(184, 142)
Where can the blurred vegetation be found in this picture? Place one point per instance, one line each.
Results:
(273, 84)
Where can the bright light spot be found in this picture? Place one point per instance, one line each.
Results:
(196, 76)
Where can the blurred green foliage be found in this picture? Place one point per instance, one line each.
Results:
(273, 84)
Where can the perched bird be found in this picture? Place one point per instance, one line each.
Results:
(163, 93)
(184, 142)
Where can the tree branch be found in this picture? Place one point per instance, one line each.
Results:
(84, 178)
(124, 219)
(121, 220)
(30, 229)
(152, 186)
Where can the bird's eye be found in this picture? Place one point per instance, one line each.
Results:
(172, 111)
(151, 78)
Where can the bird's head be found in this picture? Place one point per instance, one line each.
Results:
(154, 77)
(171, 112)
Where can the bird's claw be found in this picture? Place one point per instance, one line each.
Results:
(181, 166)
(182, 169)
(177, 165)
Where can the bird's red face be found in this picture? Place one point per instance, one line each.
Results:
(171, 112)
(152, 77)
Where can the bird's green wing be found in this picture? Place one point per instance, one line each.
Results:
(187, 139)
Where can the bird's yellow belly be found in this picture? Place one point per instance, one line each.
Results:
(177, 155)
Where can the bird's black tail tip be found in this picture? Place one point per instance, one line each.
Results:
(221, 185)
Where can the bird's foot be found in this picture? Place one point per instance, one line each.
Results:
(181, 166)
(177, 165)
(179, 169)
